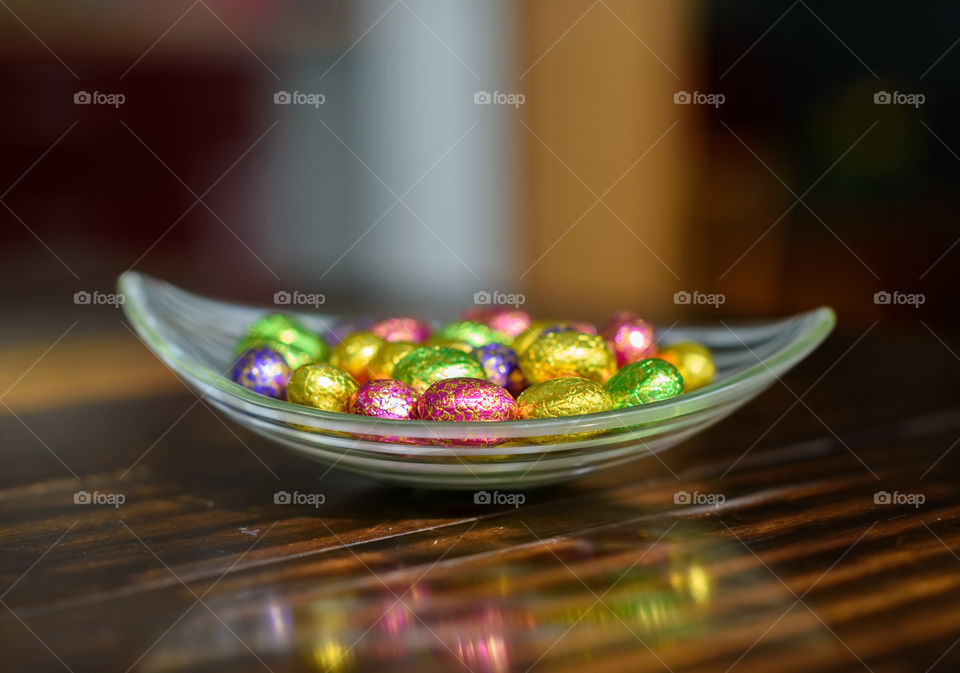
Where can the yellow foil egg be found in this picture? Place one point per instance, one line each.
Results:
(561, 354)
(382, 364)
(528, 336)
(354, 353)
(694, 362)
(563, 397)
(322, 387)
(437, 340)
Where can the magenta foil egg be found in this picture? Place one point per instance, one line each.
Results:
(401, 329)
(385, 398)
(508, 321)
(630, 340)
(466, 399)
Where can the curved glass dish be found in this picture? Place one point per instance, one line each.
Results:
(195, 337)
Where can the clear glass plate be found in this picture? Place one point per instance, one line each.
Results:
(195, 337)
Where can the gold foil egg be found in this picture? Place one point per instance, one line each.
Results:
(562, 354)
(382, 364)
(354, 353)
(694, 362)
(322, 387)
(563, 397)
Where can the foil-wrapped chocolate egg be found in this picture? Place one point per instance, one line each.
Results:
(498, 361)
(340, 330)
(385, 398)
(532, 333)
(297, 344)
(630, 340)
(382, 364)
(354, 353)
(262, 370)
(508, 321)
(474, 333)
(323, 387)
(563, 397)
(402, 329)
(427, 365)
(466, 399)
(694, 362)
(644, 381)
(563, 354)
(436, 340)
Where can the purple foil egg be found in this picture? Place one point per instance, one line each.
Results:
(385, 398)
(262, 370)
(498, 362)
(630, 340)
(401, 329)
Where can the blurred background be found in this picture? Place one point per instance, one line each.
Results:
(688, 160)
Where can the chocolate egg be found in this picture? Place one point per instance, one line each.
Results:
(532, 333)
(474, 333)
(427, 365)
(643, 381)
(297, 344)
(466, 399)
(385, 398)
(354, 353)
(402, 329)
(568, 354)
(498, 362)
(436, 340)
(563, 397)
(694, 362)
(630, 340)
(264, 371)
(323, 387)
(382, 364)
(508, 321)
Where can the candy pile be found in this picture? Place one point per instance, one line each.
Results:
(492, 365)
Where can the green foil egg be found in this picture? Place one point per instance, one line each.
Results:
(644, 381)
(424, 366)
(297, 344)
(474, 333)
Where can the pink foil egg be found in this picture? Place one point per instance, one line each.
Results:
(508, 321)
(630, 339)
(465, 399)
(385, 398)
(401, 329)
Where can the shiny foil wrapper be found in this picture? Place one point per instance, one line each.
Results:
(630, 340)
(402, 329)
(562, 354)
(532, 333)
(498, 362)
(694, 362)
(264, 371)
(466, 399)
(297, 344)
(427, 365)
(386, 398)
(511, 322)
(474, 333)
(339, 331)
(382, 364)
(354, 354)
(644, 381)
(322, 386)
(449, 343)
(563, 397)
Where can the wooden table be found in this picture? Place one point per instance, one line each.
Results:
(800, 568)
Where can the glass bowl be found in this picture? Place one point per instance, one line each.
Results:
(195, 337)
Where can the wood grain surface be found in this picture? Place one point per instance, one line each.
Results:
(799, 568)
